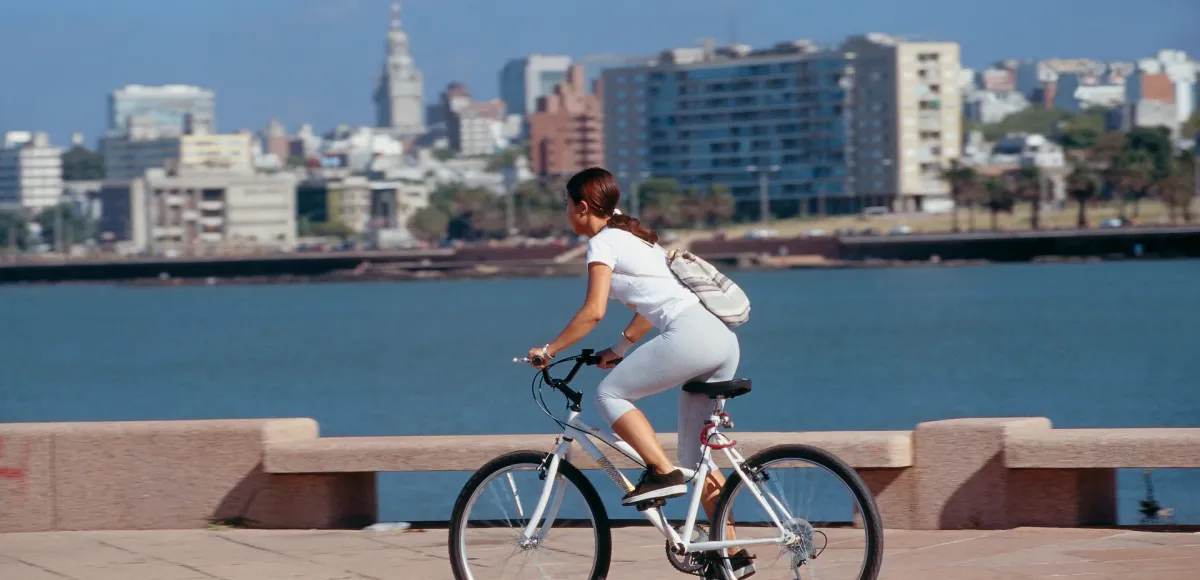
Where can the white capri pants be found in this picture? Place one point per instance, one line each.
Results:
(696, 346)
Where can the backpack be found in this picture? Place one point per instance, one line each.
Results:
(717, 293)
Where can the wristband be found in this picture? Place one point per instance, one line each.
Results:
(622, 345)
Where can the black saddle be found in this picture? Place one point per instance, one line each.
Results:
(719, 389)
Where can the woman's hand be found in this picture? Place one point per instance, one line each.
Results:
(608, 359)
(536, 353)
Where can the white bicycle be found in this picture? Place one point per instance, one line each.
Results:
(532, 514)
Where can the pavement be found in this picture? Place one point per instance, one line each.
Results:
(1026, 553)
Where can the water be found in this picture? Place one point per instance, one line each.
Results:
(1092, 345)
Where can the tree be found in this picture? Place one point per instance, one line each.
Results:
(1083, 184)
(81, 163)
(14, 231)
(76, 227)
(1031, 120)
(429, 224)
(662, 203)
(722, 206)
(1027, 183)
(1082, 131)
(1133, 174)
(963, 183)
(1178, 190)
(444, 154)
(999, 196)
(333, 228)
(1192, 127)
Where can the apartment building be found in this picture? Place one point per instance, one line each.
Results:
(30, 171)
(199, 210)
(142, 146)
(835, 129)
(720, 116)
(566, 134)
(908, 116)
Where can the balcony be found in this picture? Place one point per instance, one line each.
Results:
(212, 221)
(167, 231)
(212, 205)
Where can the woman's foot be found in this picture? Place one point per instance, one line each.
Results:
(742, 564)
(654, 485)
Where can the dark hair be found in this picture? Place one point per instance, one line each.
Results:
(602, 193)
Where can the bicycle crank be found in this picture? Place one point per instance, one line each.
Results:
(695, 562)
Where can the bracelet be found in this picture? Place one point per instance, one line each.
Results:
(622, 345)
(546, 351)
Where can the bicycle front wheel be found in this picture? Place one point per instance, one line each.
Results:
(488, 541)
(819, 500)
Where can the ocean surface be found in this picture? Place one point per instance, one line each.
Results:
(1087, 345)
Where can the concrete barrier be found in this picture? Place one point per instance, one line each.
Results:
(167, 474)
(991, 473)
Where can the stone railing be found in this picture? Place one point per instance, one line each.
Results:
(278, 473)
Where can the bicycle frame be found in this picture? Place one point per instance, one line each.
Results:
(579, 431)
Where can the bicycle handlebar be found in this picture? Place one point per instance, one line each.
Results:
(585, 357)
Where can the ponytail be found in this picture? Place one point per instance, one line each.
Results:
(621, 221)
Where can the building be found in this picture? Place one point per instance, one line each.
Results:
(127, 156)
(400, 88)
(908, 109)
(199, 210)
(165, 107)
(993, 106)
(473, 128)
(30, 171)
(566, 134)
(524, 80)
(381, 208)
(838, 129)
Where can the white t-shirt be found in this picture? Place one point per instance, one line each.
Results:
(641, 278)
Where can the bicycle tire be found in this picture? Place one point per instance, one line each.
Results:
(871, 519)
(529, 457)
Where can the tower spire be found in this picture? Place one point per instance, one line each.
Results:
(396, 15)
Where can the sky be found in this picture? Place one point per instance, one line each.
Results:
(315, 61)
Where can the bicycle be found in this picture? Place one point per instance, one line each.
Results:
(688, 548)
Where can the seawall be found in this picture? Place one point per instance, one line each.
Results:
(984, 473)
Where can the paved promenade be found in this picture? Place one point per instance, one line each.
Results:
(1086, 554)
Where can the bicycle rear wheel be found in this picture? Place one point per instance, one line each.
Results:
(817, 497)
(573, 540)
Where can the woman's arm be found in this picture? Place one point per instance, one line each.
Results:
(592, 311)
(638, 327)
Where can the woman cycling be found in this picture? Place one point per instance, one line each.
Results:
(626, 263)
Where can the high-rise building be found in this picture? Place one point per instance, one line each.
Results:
(166, 107)
(524, 80)
(400, 89)
(727, 115)
(823, 130)
(907, 114)
(30, 171)
(566, 134)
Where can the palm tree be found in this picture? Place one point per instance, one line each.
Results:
(963, 182)
(999, 195)
(1133, 170)
(1083, 184)
(1178, 189)
(1027, 183)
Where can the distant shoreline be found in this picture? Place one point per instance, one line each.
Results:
(522, 271)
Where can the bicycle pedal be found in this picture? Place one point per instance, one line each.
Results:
(650, 504)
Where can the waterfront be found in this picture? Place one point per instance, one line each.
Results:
(1088, 345)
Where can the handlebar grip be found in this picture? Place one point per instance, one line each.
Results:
(537, 360)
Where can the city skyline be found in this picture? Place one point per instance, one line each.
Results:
(271, 64)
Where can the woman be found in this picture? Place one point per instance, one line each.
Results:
(625, 262)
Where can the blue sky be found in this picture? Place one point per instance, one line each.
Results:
(315, 60)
